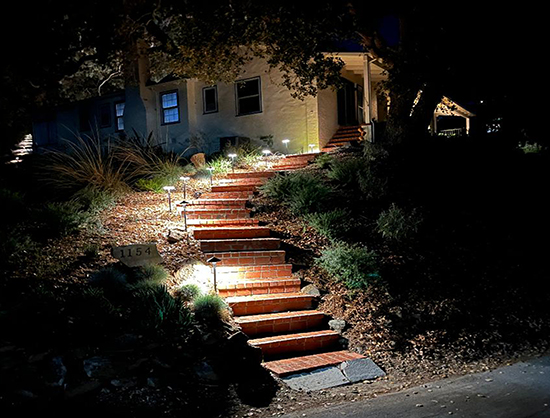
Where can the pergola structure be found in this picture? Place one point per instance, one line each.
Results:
(449, 108)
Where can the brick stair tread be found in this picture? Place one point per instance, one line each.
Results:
(240, 240)
(217, 201)
(251, 174)
(193, 209)
(257, 271)
(277, 315)
(233, 187)
(295, 336)
(270, 256)
(232, 232)
(227, 195)
(240, 287)
(301, 364)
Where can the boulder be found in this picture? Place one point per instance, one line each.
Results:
(198, 160)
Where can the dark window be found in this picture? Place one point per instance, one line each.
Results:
(210, 99)
(119, 115)
(248, 95)
(85, 117)
(105, 115)
(170, 107)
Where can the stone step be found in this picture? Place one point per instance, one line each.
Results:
(227, 195)
(234, 188)
(221, 223)
(301, 364)
(277, 302)
(239, 244)
(248, 258)
(228, 288)
(193, 213)
(232, 232)
(250, 174)
(294, 343)
(260, 271)
(281, 322)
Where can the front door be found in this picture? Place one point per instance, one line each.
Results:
(348, 104)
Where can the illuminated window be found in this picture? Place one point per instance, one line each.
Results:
(210, 99)
(170, 107)
(119, 115)
(248, 96)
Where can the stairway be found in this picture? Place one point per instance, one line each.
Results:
(256, 281)
(344, 135)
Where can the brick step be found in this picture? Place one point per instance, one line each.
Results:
(228, 288)
(193, 213)
(301, 364)
(221, 223)
(217, 202)
(234, 188)
(339, 136)
(250, 174)
(277, 302)
(294, 343)
(247, 258)
(280, 322)
(260, 271)
(227, 195)
(290, 166)
(306, 156)
(239, 244)
(345, 139)
(350, 128)
(232, 232)
(254, 181)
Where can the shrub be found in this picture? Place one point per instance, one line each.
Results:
(302, 192)
(156, 308)
(113, 281)
(356, 266)
(187, 293)
(359, 174)
(397, 224)
(323, 160)
(151, 274)
(94, 200)
(332, 224)
(209, 307)
(221, 165)
(59, 219)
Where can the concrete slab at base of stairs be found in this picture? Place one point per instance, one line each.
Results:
(351, 371)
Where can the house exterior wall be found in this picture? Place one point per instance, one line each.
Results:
(327, 114)
(281, 115)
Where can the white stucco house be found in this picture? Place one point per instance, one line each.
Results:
(254, 106)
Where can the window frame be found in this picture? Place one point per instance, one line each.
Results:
(163, 109)
(121, 117)
(204, 89)
(259, 95)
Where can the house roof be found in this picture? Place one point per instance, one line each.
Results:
(447, 107)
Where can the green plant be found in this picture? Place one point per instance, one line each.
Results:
(151, 274)
(332, 224)
(156, 308)
(354, 265)
(187, 293)
(323, 160)
(113, 281)
(220, 165)
(346, 171)
(358, 173)
(209, 307)
(302, 192)
(91, 251)
(59, 219)
(530, 148)
(397, 224)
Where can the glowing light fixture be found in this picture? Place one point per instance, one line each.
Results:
(211, 171)
(184, 179)
(232, 156)
(266, 152)
(214, 261)
(311, 146)
(286, 141)
(169, 190)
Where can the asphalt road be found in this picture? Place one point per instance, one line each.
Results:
(521, 390)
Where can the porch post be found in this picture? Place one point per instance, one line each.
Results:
(367, 98)
(467, 126)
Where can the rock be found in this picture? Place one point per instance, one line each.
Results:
(198, 160)
(337, 325)
(205, 372)
(98, 367)
(311, 289)
(56, 373)
(176, 234)
(361, 369)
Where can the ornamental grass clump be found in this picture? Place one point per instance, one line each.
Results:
(210, 308)
(333, 224)
(354, 265)
(397, 224)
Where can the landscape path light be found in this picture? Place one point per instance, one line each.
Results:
(311, 146)
(169, 191)
(211, 171)
(184, 179)
(214, 261)
(184, 204)
(232, 156)
(286, 141)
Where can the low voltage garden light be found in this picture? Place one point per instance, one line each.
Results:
(311, 146)
(184, 179)
(169, 190)
(214, 261)
(184, 204)
(286, 141)
(232, 156)
(211, 171)
(266, 152)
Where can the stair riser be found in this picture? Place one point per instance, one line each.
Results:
(253, 181)
(298, 345)
(225, 293)
(227, 195)
(268, 306)
(249, 175)
(222, 223)
(235, 245)
(218, 214)
(219, 233)
(275, 271)
(248, 258)
(282, 325)
(234, 188)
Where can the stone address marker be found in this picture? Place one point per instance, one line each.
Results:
(137, 254)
